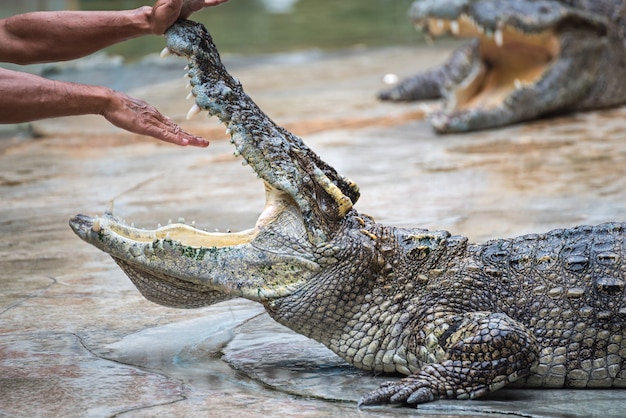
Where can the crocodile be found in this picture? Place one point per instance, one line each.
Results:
(525, 60)
(459, 320)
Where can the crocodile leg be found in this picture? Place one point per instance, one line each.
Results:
(484, 352)
(432, 84)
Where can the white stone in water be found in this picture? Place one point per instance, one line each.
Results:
(390, 78)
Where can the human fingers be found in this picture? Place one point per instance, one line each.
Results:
(161, 127)
(178, 136)
(164, 14)
(137, 116)
(168, 131)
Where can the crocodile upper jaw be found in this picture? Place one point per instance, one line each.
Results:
(509, 60)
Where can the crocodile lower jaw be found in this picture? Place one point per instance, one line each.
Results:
(186, 235)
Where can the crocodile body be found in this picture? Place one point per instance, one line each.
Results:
(459, 319)
(527, 59)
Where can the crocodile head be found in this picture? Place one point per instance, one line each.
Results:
(526, 59)
(179, 265)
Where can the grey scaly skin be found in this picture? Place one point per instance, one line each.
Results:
(527, 59)
(459, 319)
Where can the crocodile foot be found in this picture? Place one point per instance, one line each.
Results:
(429, 384)
(486, 351)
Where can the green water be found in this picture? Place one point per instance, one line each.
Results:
(248, 27)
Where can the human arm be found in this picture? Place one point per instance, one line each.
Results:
(27, 97)
(63, 35)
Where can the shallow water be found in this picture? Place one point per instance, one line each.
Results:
(77, 339)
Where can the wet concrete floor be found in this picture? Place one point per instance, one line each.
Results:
(77, 339)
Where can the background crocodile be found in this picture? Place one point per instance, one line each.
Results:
(527, 59)
(460, 319)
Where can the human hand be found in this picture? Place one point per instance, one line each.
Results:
(166, 12)
(137, 116)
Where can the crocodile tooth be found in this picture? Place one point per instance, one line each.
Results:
(165, 53)
(186, 67)
(159, 226)
(193, 223)
(169, 221)
(227, 132)
(195, 109)
(181, 220)
(168, 237)
(189, 96)
(470, 19)
(498, 37)
(188, 85)
(109, 209)
(454, 27)
(95, 227)
(517, 83)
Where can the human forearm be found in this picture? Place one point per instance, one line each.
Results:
(59, 36)
(27, 97)
(64, 35)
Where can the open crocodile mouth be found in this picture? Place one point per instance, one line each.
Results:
(510, 59)
(180, 265)
(188, 235)
(306, 201)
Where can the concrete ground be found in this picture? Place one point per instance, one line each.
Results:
(77, 339)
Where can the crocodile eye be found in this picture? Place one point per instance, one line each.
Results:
(420, 253)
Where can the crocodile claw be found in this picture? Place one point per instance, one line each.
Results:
(410, 390)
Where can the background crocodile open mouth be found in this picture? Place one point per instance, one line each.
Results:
(509, 59)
